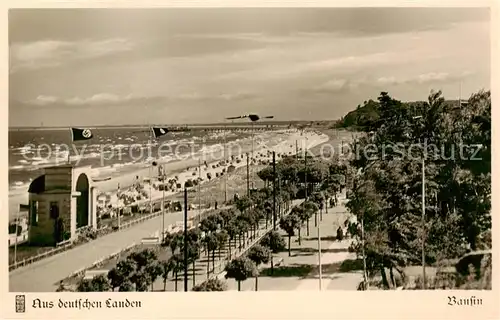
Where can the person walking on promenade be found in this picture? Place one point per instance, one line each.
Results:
(340, 234)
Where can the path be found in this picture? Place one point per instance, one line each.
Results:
(44, 275)
(301, 270)
(337, 253)
(220, 260)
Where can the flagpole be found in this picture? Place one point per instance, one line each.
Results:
(118, 205)
(365, 276)
(15, 242)
(423, 223)
(460, 95)
(163, 205)
(150, 174)
(199, 186)
(69, 149)
(253, 156)
(319, 256)
(225, 161)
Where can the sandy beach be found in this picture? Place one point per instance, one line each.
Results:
(282, 142)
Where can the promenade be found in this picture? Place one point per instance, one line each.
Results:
(44, 275)
(341, 270)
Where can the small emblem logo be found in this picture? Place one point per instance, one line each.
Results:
(86, 133)
(20, 304)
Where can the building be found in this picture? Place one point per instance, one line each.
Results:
(61, 202)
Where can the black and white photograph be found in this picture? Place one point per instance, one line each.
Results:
(249, 149)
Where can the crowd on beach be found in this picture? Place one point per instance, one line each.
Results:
(151, 191)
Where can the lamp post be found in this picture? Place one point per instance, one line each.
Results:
(118, 205)
(16, 235)
(319, 256)
(185, 240)
(253, 118)
(423, 213)
(225, 161)
(365, 274)
(274, 190)
(163, 176)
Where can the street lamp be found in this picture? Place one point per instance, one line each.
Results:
(161, 177)
(253, 118)
(423, 212)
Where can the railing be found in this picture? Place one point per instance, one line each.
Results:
(261, 232)
(40, 256)
(63, 246)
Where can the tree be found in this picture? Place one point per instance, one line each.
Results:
(268, 209)
(173, 241)
(289, 224)
(166, 268)
(266, 174)
(211, 244)
(121, 273)
(232, 231)
(243, 226)
(153, 271)
(243, 203)
(313, 206)
(97, 284)
(303, 216)
(209, 224)
(259, 255)
(240, 269)
(211, 285)
(143, 258)
(227, 215)
(62, 287)
(385, 192)
(141, 280)
(275, 243)
(222, 238)
(126, 286)
(176, 262)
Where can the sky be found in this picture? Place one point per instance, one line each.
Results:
(84, 67)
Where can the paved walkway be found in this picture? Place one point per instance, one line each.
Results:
(44, 275)
(220, 260)
(300, 271)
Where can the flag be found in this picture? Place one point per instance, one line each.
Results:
(158, 132)
(81, 134)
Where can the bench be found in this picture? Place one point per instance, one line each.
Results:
(278, 262)
(90, 274)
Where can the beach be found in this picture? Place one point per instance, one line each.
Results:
(283, 142)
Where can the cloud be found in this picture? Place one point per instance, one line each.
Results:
(432, 77)
(343, 85)
(335, 86)
(424, 78)
(44, 100)
(387, 81)
(96, 99)
(290, 63)
(237, 96)
(50, 53)
(105, 99)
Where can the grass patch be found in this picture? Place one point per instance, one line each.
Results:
(301, 270)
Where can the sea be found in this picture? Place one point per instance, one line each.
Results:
(110, 151)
